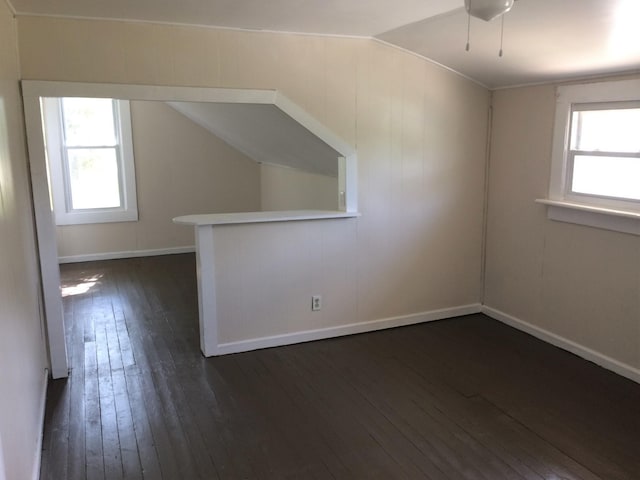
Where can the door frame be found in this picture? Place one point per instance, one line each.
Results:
(34, 90)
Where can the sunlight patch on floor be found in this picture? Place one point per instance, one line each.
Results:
(81, 287)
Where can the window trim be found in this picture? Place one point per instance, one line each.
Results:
(595, 199)
(63, 213)
(565, 205)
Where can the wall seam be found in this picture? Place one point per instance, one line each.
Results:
(485, 207)
(11, 8)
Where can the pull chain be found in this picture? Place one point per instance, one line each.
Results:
(501, 36)
(468, 8)
(468, 28)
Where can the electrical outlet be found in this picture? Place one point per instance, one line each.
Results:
(316, 303)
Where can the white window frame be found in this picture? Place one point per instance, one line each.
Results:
(63, 212)
(592, 210)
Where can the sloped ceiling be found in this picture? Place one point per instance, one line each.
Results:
(337, 17)
(264, 133)
(544, 40)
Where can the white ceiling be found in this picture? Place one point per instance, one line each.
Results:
(341, 17)
(544, 40)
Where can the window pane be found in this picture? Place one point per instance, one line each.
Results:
(88, 122)
(617, 177)
(93, 174)
(606, 130)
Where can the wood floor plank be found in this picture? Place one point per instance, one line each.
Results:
(147, 452)
(297, 444)
(55, 445)
(94, 455)
(180, 418)
(76, 440)
(451, 401)
(560, 464)
(131, 467)
(461, 399)
(450, 457)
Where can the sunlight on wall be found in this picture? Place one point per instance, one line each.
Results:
(625, 37)
(4, 159)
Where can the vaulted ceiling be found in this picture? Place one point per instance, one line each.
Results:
(544, 40)
(264, 133)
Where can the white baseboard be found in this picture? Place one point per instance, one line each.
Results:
(604, 361)
(342, 330)
(43, 404)
(127, 254)
(3, 472)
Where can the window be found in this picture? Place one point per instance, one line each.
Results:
(595, 167)
(603, 157)
(90, 153)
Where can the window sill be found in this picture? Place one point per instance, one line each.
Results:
(261, 217)
(83, 218)
(606, 218)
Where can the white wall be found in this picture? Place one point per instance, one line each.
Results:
(578, 283)
(286, 188)
(22, 348)
(419, 131)
(420, 135)
(181, 168)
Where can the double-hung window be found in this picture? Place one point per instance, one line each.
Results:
(603, 155)
(90, 158)
(595, 171)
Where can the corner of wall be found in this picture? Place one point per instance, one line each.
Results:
(485, 208)
(589, 354)
(11, 8)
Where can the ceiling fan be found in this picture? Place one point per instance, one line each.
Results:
(487, 10)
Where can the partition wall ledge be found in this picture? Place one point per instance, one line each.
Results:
(261, 217)
(212, 345)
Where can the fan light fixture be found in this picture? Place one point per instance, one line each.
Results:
(487, 10)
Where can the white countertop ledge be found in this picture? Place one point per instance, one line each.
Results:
(261, 217)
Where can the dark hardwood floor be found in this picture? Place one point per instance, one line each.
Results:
(466, 398)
